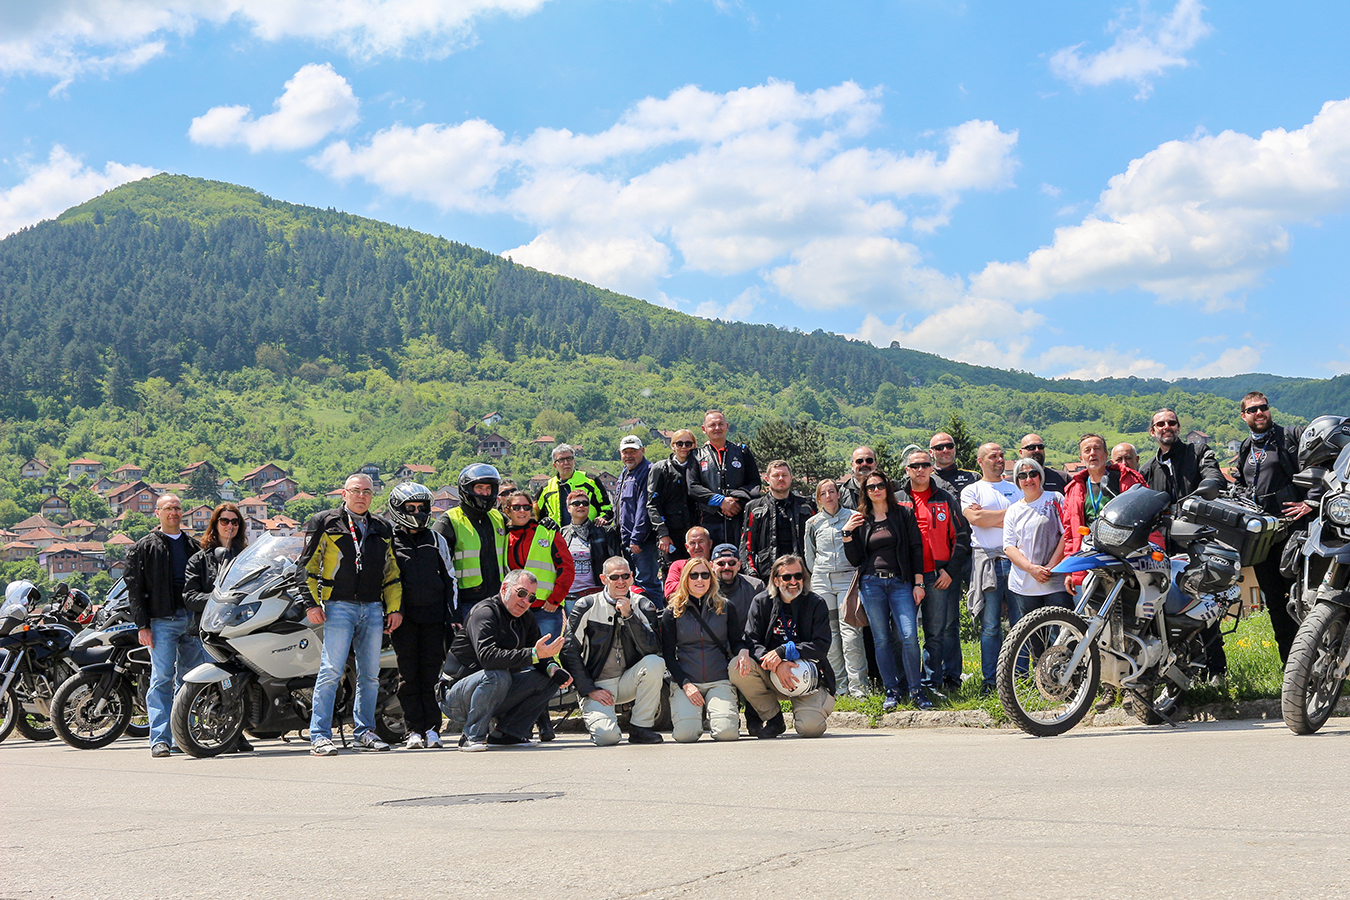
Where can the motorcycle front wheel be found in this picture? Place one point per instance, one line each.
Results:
(1311, 687)
(78, 718)
(204, 722)
(1037, 686)
(9, 712)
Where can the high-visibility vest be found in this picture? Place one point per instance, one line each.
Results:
(469, 550)
(539, 561)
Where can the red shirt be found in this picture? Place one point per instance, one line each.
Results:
(924, 515)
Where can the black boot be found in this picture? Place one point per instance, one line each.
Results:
(753, 723)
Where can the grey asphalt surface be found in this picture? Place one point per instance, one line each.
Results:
(1237, 809)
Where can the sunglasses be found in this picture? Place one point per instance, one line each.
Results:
(1170, 423)
(865, 459)
(522, 593)
(231, 521)
(521, 506)
(727, 562)
(620, 576)
(1024, 476)
(919, 465)
(415, 507)
(876, 486)
(1033, 446)
(1261, 407)
(579, 503)
(947, 446)
(683, 444)
(700, 576)
(791, 576)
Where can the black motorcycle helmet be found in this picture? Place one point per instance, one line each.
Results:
(478, 473)
(401, 496)
(1323, 440)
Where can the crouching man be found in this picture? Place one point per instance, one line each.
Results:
(500, 668)
(784, 624)
(611, 647)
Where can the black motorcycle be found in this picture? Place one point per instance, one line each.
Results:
(106, 699)
(35, 656)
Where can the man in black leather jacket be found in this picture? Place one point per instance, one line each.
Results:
(726, 478)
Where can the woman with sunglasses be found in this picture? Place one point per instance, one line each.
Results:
(544, 554)
(670, 510)
(223, 540)
(590, 545)
(1033, 539)
(883, 540)
(698, 631)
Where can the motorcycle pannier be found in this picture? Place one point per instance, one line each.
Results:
(1247, 531)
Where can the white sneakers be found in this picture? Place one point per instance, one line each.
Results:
(434, 740)
(414, 741)
(323, 747)
(367, 740)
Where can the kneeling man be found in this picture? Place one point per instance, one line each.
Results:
(613, 650)
(502, 669)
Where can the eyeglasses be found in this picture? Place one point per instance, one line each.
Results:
(578, 503)
(1023, 476)
(682, 444)
(865, 459)
(919, 465)
(1033, 446)
(1260, 407)
(233, 522)
(791, 576)
(170, 508)
(700, 576)
(1170, 423)
(565, 459)
(947, 446)
(620, 576)
(876, 486)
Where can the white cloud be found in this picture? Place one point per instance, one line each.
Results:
(1140, 53)
(870, 272)
(61, 182)
(740, 307)
(742, 180)
(1199, 219)
(316, 102)
(68, 38)
(1050, 190)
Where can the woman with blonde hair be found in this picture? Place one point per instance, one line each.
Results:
(700, 635)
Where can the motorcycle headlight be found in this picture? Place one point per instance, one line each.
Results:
(1337, 510)
(1107, 535)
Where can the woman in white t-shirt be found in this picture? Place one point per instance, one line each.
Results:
(1033, 538)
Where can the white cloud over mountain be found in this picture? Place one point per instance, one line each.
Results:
(1140, 53)
(316, 102)
(49, 188)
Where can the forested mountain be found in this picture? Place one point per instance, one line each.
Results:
(175, 319)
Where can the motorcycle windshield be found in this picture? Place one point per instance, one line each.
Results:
(1342, 467)
(1126, 522)
(270, 554)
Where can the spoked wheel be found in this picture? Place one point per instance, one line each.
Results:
(1040, 687)
(9, 712)
(204, 722)
(1311, 685)
(84, 719)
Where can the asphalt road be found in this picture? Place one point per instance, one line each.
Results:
(1238, 809)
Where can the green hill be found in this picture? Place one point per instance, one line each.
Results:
(176, 319)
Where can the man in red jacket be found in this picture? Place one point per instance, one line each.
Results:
(1089, 491)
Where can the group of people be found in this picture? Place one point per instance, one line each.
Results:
(698, 582)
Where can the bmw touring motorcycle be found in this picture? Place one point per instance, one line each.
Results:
(265, 656)
(1319, 660)
(36, 656)
(1140, 615)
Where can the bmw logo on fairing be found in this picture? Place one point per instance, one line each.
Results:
(304, 642)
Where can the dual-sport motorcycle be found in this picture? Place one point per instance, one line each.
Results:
(1139, 621)
(266, 657)
(1319, 659)
(106, 698)
(35, 655)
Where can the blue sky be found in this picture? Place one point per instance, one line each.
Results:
(1082, 189)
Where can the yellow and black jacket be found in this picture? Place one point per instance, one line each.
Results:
(331, 560)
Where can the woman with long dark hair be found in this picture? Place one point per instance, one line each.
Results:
(883, 540)
(223, 540)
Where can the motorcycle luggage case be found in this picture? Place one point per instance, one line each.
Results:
(1248, 532)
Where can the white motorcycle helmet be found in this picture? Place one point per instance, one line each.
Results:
(807, 675)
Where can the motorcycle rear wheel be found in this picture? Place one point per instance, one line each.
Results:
(204, 723)
(1033, 660)
(1311, 688)
(74, 716)
(9, 712)
(33, 726)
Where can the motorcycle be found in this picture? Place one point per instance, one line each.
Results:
(1319, 659)
(35, 656)
(266, 657)
(1140, 615)
(105, 699)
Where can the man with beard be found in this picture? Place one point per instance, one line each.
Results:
(1032, 447)
(861, 464)
(775, 524)
(1266, 464)
(738, 588)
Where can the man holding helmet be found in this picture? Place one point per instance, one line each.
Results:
(428, 573)
(475, 532)
(788, 632)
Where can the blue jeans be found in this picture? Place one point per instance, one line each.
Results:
(991, 624)
(514, 699)
(550, 623)
(349, 627)
(941, 632)
(646, 565)
(177, 650)
(891, 612)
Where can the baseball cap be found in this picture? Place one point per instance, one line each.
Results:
(722, 550)
(632, 441)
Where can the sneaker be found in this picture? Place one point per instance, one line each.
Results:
(414, 741)
(323, 747)
(774, 727)
(160, 750)
(890, 703)
(434, 740)
(921, 700)
(639, 735)
(367, 740)
(469, 746)
(506, 740)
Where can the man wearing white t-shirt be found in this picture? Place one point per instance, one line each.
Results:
(984, 504)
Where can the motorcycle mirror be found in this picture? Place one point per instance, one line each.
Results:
(62, 590)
